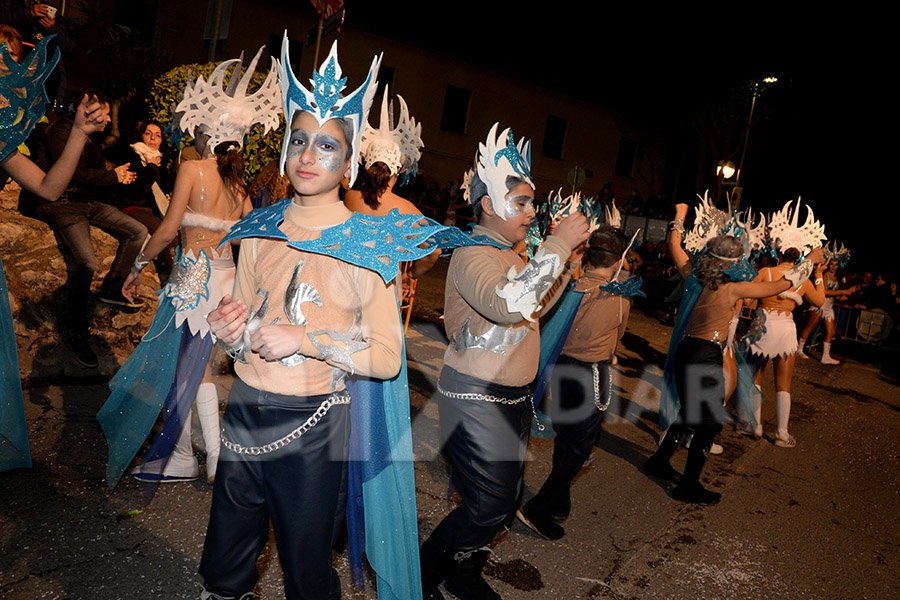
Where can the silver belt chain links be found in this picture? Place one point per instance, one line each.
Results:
(494, 399)
(601, 406)
(312, 421)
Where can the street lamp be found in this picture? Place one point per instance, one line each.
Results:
(725, 169)
(769, 80)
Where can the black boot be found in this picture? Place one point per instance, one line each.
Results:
(436, 562)
(658, 465)
(466, 581)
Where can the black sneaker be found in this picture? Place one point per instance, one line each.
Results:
(81, 349)
(695, 494)
(543, 525)
(661, 469)
(117, 299)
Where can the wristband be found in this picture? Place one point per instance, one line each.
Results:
(818, 281)
(677, 226)
(140, 264)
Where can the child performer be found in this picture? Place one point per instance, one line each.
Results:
(18, 117)
(698, 362)
(491, 305)
(316, 319)
(582, 385)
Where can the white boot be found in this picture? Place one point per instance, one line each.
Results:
(783, 439)
(208, 411)
(826, 355)
(181, 466)
(800, 344)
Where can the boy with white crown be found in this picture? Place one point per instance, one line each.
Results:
(491, 306)
(298, 324)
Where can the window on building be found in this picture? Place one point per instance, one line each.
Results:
(456, 109)
(625, 158)
(554, 136)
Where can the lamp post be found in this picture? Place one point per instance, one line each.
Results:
(737, 181)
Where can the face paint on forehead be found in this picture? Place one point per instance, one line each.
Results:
(517, 205)
(326, 148)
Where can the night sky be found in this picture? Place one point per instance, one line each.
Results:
(828, 112)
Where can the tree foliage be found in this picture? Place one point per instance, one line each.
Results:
(259, 149)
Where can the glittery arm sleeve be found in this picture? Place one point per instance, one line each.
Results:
(481, 279)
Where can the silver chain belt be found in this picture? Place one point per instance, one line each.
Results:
(482, 397)
(312, 421)
(601, 406)
(495, 399)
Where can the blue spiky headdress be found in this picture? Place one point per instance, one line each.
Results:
(22, 95)
(324, 101)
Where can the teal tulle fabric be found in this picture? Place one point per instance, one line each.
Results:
(139, 391)
(14, 451)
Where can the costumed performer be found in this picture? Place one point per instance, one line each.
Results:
(315, 320)
(581, 382)
(492, 302)
(390, 154)
(22, 103)
(698, 360)
(836, 258)
(169, 368)
(774, 318)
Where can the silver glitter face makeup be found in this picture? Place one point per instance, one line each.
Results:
(517, 205)
(327, 149)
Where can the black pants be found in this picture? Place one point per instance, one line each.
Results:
(701, 389)
(486, 444)
(577, 422)
(301, 487)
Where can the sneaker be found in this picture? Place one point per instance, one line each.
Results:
(172, 473)
(116, 298)
(827, 360)
(713, 448)
(77, 343)
(801, 354)
(161, 478)
(661, 469)
(543, 525)
(695, 494)
(788, 442)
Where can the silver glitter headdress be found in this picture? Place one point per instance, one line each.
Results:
(499, 158)
(22, 94)
(784, 232)
(709, 222)
(324, 101)
(398, 147)
(228, 113)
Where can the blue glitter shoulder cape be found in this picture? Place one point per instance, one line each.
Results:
(381, 500)
(376, 243)
(14, 451)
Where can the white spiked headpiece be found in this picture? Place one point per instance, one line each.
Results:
(709, 222)
(833, 252)
(398, 147)
(612, 216)
(784, 232)
(229, 113)
(324, 100)
(499, 158)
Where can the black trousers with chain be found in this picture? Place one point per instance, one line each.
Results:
(486, 443)
(300, 487)
(577, 422)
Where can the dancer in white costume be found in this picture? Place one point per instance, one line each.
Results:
(208, 198)
(836, 259)
(778, 340)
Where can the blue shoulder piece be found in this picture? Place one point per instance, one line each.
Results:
(629, 288)
(375, 243)
(262, 222)
(22, 94)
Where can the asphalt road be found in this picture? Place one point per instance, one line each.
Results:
(817, 521)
